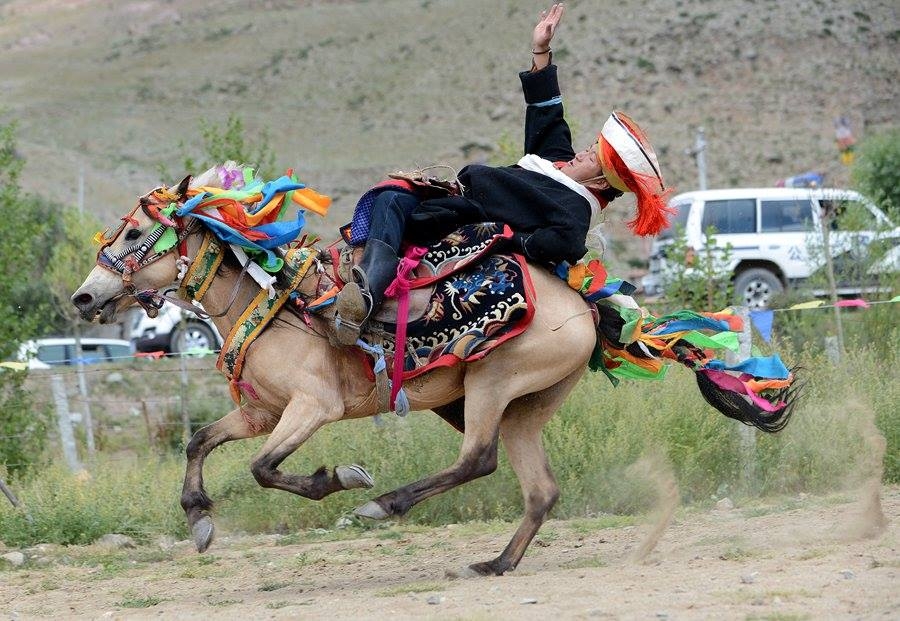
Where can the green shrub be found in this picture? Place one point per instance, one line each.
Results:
(697, 278)
(23, 425)
(876, 170)
(592, 442)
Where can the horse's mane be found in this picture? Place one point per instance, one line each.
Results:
(215, 177)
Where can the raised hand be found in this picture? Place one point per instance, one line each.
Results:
(546, 27)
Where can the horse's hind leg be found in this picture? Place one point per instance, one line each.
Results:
(194, 501)
(520, 430)
(477, 458)
(300, 420)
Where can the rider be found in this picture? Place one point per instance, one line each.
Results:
(547, 198)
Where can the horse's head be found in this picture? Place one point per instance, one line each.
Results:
(138, 257)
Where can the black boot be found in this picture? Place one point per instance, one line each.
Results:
(359, 299)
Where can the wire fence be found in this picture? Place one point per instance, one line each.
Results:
(123, 406)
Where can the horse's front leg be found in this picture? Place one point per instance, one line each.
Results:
(301, 419)
(194, 501)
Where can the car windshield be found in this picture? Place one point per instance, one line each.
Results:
(678, 221)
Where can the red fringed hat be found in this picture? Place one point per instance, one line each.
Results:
(629, 164)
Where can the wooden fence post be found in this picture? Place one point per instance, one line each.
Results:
(82, 388)
(66, 436)
(746, 433)
(9, 494)
(185, 415)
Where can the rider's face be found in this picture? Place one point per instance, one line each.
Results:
(585, 168)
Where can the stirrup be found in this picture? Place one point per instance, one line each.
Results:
(351, 312)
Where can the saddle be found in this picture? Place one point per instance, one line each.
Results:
(464, 300)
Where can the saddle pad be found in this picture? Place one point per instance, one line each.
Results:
(471, 312)
(464, 247)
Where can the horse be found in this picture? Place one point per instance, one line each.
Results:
(302, 380)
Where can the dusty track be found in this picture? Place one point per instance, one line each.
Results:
(787, 559)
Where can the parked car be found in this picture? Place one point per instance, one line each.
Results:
(166, 332)
(771, 231)
(50, 352)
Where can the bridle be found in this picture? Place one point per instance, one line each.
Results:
(139, 255)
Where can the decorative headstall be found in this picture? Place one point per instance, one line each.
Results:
(138, 255)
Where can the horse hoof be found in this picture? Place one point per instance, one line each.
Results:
(476, 570)
(371, 510)
(354, 477)
(203, 532)
(462, 574)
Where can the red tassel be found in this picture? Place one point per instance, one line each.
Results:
(652, 212)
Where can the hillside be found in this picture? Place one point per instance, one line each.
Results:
(351, 89)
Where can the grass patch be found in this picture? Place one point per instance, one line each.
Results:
(222, 603)
(273, 585)
(413, 587)
(584, 563)
(735, 553)
(812, 553)
(135, 601)
(586, 526)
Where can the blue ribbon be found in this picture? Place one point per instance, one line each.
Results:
(770, 367)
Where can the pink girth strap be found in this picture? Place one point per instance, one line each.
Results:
(400, 289)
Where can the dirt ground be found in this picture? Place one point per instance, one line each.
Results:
(790, 558)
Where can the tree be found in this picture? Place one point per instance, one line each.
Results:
(221, 143)
(22, 427)
(876, 170)
(19, 261)
(71, 258)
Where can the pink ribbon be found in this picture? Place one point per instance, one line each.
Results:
(400, 289)
(729, 382)
(857, 302)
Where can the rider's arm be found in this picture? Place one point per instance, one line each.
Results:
(546, 132)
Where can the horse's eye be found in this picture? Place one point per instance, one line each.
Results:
(132, 234)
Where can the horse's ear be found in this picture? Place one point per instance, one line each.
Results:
(181, 190)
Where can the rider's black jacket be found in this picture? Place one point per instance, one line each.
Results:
(550, 220)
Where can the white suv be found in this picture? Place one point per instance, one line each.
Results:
(167, 332)
(771, 231)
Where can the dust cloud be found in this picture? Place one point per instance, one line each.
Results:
(657, 469)
(869, 519)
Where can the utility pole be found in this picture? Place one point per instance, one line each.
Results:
(698, 152)
(80, 186)
(66, 435)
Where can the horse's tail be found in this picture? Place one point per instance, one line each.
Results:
(735, 406)
(770, 413)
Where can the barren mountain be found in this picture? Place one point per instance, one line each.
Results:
(351, 89)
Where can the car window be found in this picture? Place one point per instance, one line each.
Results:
(115, 352)
(91, 353)
(51, 354)
(678, 221)
(850, 216)
(785, 215)
(730, 216)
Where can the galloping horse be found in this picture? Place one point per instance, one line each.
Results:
(302, 382)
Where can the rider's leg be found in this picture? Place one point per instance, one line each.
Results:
(378, 267)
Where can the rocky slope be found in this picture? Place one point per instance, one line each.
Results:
(351, 89)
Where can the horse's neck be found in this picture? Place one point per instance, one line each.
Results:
(223, 286)
(232, 292)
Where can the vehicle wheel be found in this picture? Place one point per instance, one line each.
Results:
(756, 287)
(194, 336)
